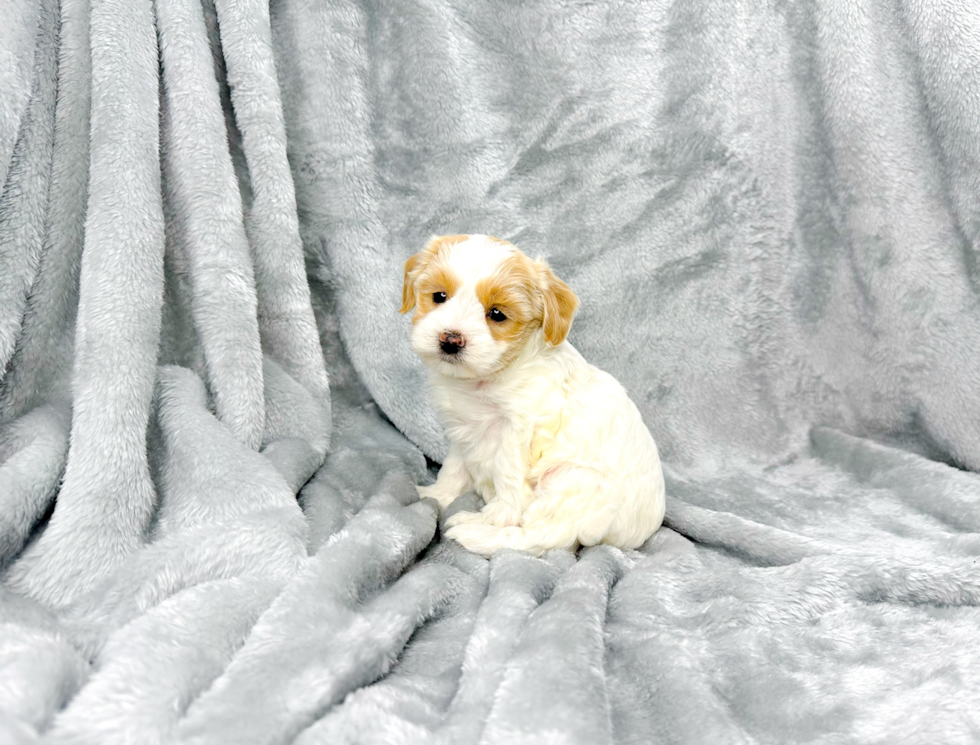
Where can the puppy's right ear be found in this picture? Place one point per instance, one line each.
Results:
(411, 273)
(416, 265)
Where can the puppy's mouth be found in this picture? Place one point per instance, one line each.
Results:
(455, 365)
(452, 359)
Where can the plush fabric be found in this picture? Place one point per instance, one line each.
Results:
(771, 215)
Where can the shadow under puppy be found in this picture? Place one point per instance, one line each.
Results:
(554, 445)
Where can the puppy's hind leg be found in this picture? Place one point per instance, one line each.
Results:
(486, 539)
(572, 506)
(575, 495)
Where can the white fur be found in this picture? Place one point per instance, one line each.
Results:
(555, 447)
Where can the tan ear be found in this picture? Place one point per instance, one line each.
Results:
(417, 263)
(560, 304)
(408, 289)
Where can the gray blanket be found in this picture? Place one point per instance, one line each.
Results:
(771, 214)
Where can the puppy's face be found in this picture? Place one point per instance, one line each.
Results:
(478, 301)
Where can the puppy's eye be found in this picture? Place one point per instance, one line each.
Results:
(496, 316)
(438, 297)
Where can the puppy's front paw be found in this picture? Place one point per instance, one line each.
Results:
(433, 491)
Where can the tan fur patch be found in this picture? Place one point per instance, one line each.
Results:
(440, 242)
(437, 277)
(513, 290)
(560, 304)
(501, 241)
(416, 266)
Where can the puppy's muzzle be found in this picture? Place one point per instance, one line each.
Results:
(451, 342)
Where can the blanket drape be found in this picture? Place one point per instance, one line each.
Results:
(771, 215)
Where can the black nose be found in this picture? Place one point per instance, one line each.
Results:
(451, 342)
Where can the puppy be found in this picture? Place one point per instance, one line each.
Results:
(554, 445)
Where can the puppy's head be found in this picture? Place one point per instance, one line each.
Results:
(478, 302)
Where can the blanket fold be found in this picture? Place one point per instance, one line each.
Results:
(106, 497)
(206, 229)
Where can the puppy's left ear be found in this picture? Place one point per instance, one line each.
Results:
(408, 289)
(560, 304)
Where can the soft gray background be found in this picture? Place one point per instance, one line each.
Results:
(771, 214)
(770, 211)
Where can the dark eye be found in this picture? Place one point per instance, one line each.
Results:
(496, 316)
(438, 297)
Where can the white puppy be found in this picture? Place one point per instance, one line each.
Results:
(554, 446)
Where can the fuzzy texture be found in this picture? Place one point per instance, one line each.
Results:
(163, 395)
(106, 498)
(769, 213)
(551, 443)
